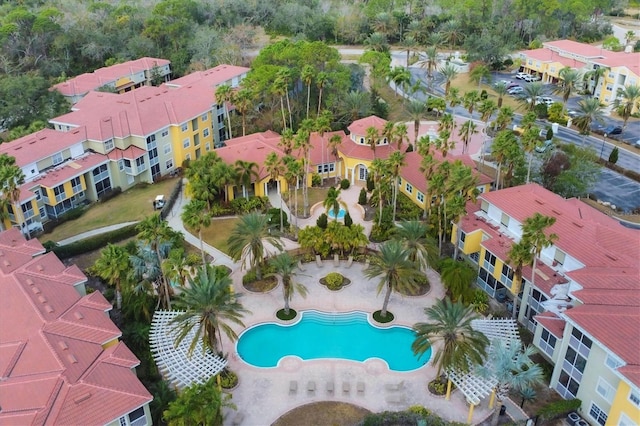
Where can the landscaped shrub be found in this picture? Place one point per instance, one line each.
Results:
(219, 210)
(244, 205)
(228, 379)
(172, 200)
(347, 220)
(322, 221)
(334, 280)
(274, 218)
(316, 180)
(344, 184)
(558, 408)
(407, 209)
(94, 243)
(613, 157)
(370, 184)
(362, 198)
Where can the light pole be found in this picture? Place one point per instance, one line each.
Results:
(604, 138)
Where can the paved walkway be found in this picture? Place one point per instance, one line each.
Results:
(263, 393)
(94, 232)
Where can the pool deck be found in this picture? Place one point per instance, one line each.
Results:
(263, 394)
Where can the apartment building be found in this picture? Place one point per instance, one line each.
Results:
(583, 305)
(114, 140)
(621, 69)
(61, 361)
(118, 78)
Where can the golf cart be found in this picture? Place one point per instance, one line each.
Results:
(158, 203)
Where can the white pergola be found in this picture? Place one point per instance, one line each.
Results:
(475, 387)
(174, 361)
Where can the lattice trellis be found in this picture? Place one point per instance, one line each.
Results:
(475, 387)
(180, 369)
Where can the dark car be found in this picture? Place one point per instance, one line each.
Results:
(612, 130)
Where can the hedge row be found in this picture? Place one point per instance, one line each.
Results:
(93, 243)
(172, 200)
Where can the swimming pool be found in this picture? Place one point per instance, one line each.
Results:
(322, 335)
(341, 214)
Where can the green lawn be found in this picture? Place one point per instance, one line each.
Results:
(217, 234)
(462, 82)
(134, 204)
(316, 195)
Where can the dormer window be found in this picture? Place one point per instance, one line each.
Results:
(108, 145)
(385, 141)
(57, 158)
(362, 141)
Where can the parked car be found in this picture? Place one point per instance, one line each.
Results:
(548, 101)
(521, 75)
(531, 78)
(637, 144)
(612, 130)
(515, 90)
(544, 146)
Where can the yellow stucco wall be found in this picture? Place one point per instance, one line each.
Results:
(178, 136)
(471, 241)
(621, 404)
(68, 191)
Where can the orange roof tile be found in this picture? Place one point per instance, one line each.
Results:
(359, 127)
(42, 144)
(73, 168)
(552, 323)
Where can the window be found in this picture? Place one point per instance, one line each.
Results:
(489, 261)
(506, 277)
(43, 213)
(196, 140)
(409, 188)
(580, 342)
(204, 117)
(547, 342)
(108, 145)
(611, 75)
(484, 206)
(635, 398)
(165, 133)
(463, 237)
(187, 157)
(184, 127)
(27, 210)
(567, 387)
(475, 257)
(605, 390)
(609, 87)
(38, 194)
(205, 133)
(504, 219)
(140, 162)
(121, 165)
(57, 158)
(169, 164)
(76, 185)
(167, 148)
(626, 421)
(420, 196)
(194, 124)
(597, 414)
(612, 363)
(151, 140)
(59, 193)
(559, 256)
(185, 143)
(207, 146)
(362, 141)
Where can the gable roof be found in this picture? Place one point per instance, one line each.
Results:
(53, 366)
(42, 144)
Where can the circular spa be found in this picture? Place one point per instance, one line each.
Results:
(341, 213)
(321, 335)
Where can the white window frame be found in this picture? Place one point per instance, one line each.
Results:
(57, 158)
(599, 413)
(634, 398)
(611, 362)
(409, 188)
(205, 132)
(169, 164)
(204, 117)
(605, 390)
(207, 146)
(109, 145)
(167, 148)
(186, 143)
(121, 165)
(184, 127)
(38, 194)
(420, 196)
(43, 212)
(165, 133)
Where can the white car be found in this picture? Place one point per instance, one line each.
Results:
(515, 90)
(521, 75)
(531, 78)
(548, 101)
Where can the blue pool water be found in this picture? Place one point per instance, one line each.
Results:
(341, 214)
(324, 335)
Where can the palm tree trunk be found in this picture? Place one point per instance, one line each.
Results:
(281, 220)
(529, 167)
(286, 299)
(455, 245)
(228, 120)
(319, 102)
(395, 198)
(244, 125)
(284, 118)
(308, 97)
(387, 296)
(289, 109)
(118, 296)
(204, 261)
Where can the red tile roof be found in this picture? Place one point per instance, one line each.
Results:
(42, 144)
(211, 77)
(552, 322)
(148, 109)
(575, 47)
(70, 169)
(53, 368)
(252, 148)
(84, 83)
(359, 127)
(548, 55)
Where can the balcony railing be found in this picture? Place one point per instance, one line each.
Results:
(140, 421)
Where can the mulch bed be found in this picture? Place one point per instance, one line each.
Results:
(262, 286)
(325, 413)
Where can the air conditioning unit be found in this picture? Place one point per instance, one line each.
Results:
(573, 418)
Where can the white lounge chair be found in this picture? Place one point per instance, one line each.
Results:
(395, 399)
(330, 387)
(360, 388)
(346, 387)
(311, 387)
(394, 386)
(293, 386)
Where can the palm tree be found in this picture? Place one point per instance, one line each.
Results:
(243, 100)
(223, 94)
(113, 267)
(400, 77)
(532, 91)
(470, 100)
(400, 135)
(501, 149)
(275, 168)
(449, 72)
(177, 267)
(356, 104)
(293, 172)
(155, 232)
(570, 79)
(458, 278)
(467, 130)
(321, 81)
(511, 366)
(334, 142)
(453, 97)
(396, 271)
(486, 110)
(430, 63)
(377, 42)
(246, 242)
(279, 87)
(307, 74)
(627, 101)
(450, 330)
(372, 139)
(409, 43)
(589, 110)
(501, 92)
(396, 163)
(417, 111)
(246, 172)
(504, 118)
(595, 75)
(529, 140)
(421, 249)
(286, 141)
(519, 255)
(333, 202)
(11, 177)
(196, 216)
(479, 73)
(284, 74)
(285, 267)
(209, 307)
(534, 237)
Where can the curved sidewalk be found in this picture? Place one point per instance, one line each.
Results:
(94, 232)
